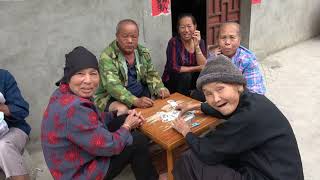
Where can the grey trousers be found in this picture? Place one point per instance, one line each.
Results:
(189, 167)
(11, 149)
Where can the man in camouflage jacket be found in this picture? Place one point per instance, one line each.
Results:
(115, 91)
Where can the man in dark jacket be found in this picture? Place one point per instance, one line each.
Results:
(255, 141)
(15, 110)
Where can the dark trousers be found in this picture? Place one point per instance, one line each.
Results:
(136, 154)
(185, 83)
(189, 167)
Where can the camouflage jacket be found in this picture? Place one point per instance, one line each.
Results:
(114, 75)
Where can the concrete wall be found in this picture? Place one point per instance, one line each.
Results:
(36, 34)
(276, 24)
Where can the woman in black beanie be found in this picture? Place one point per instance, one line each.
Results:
(254, 142)
(78, 141)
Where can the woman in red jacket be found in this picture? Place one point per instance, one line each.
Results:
(78, 141)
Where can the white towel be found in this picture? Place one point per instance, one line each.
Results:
(2, 99)
(3, 125)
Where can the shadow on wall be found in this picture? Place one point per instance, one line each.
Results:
(316, 24)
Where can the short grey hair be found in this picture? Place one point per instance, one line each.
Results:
(223, 25)
(126, 21)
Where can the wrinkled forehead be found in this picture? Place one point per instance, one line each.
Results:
(128, 27)
(230, 29)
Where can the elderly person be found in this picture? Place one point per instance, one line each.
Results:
(185, 58)
(78, 141)
(229, 45)
(128, 77)
(254, 142)
(15, 110)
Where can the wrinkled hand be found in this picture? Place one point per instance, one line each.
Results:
(134, 119)
(217, 51)
(184, 107)
(181, 126)
(164, 93)
(201, 67)
(196, 38)
(143, 102)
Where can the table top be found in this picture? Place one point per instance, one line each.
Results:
(162, 133)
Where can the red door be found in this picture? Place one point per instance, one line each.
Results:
(219, 11)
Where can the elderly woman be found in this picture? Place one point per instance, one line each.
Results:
(78, 141)
(255, 141)
(185, 58)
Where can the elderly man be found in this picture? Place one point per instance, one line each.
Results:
(229, 45)
(15, 110)
(254, 142)
(128, 77)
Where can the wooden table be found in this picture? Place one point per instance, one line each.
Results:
(161, 132)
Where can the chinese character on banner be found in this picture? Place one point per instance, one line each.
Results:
(255, 1)
(160, 7)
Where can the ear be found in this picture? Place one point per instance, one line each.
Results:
(240, 88)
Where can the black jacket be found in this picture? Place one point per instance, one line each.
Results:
(255, 140)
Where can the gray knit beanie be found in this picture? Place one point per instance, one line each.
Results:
(220, 69)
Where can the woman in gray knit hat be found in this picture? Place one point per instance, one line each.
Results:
(254, 142)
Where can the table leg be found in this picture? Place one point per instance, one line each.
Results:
(170, 164)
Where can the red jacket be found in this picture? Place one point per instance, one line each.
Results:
(75, 140)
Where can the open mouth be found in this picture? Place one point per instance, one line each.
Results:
(221, 105)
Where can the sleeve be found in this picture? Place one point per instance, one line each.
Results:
(19, 108)
(253, 76)
(85, 130)
(208, 110)
(234, 136)
(203, 48)
(172, 55)
(110, 80)
(153, 78)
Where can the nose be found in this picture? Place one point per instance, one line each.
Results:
(227, 41)
(87, 79)
(216, 98)
(129, 40)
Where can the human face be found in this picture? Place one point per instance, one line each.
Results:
(127, 38)
(84, 83)
(223, 97)
(186, 28)
(229, 40)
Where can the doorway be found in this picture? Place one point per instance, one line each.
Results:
(195, 7)
(210, 14)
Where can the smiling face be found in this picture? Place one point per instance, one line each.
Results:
(229, 39)
(186, 28)
(85, 82)
(223, 97)
(127, 37)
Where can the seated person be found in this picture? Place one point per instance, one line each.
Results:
(128, 77)
(229, 45)
(78, 141)
(15, 110)
(185, 57)
(254, 142)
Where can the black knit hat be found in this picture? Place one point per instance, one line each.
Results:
(79, 58)
(220, 69)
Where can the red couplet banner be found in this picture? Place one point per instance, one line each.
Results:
(255, 1)
(160, 7)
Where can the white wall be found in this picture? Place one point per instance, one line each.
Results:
(36, 34)
(277, 24)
